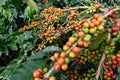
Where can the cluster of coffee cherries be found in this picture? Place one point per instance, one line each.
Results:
(51, 15)
(94, 7)
(81, 74)
(60, 61)
(115, 28)
(111, 65)
(70, 43)
(33, 24)
(94, 26)
(41, 46)
(88, 57)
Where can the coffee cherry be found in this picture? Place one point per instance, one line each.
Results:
(58, 25)
(72, 55)
(80, 34)
(113, 76)
(118, 55)
(56, 55)
(100, 19)
(108, 74)
(114, 29)
(37, 79)
(85, 30)
(76, 50)
(69, 44)
(114, 66)
(37, 74)
(106, 66)
(96, 23)
(52, 78)
(61, 61)
(102, 24)
(114, 62)
(64, 67)
(96, 16)
(46, 79)
(92, 25)
(86, 39)
(92, 30)
(77, 61)
(67, 60)
(118, 59)
(100, 28)
(80, 43)
(63, 54)
(65, 47)
(72, 39)
(86, 25)
(45, 70)
(52, 58)
(117, 24)
(57, 67)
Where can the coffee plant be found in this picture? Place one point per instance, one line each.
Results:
(60, 40)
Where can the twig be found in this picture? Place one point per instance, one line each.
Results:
(94, 74)
(72, 8)
(113, 10)
(98, 73)
(49, 72)
(109, 37)
(111, 20)
(52, 69)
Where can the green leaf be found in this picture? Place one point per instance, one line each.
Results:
(32, 4)
(50, 49)
(61, 76)
(13, 46)
(28, 12)
(27, 35)
(27, 46)
(99, 39)
(66, 2)
(8, 71)
(72, 2)
(118, 77)
(24, 72)
(2, 2)
(17, 3)
(41, 54)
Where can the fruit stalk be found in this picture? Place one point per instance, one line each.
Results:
(113, 10)
(98, 73)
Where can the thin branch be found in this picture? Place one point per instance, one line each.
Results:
(104, 67)
(113, 10)
(100, 67)
(49, 72)
(79, 7)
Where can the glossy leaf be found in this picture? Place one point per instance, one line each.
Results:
(2, 2)
(41, 54)
(95, 43)
(118, 77)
